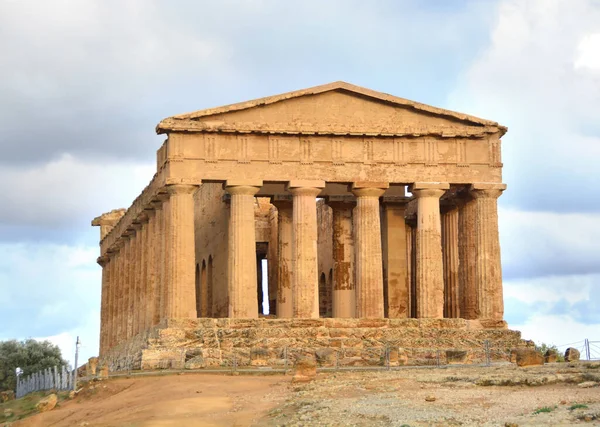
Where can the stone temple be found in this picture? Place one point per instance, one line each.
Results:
(377, 217)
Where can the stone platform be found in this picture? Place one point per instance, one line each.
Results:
(212, 343)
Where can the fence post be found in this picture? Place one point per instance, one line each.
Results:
(437, 357)
(487, 353)
(285, 362)
(337, 360)
(587, 349)
(77, 344)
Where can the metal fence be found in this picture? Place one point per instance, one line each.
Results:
(589, 350)
(49, 379)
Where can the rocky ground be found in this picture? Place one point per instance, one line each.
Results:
(554, 394)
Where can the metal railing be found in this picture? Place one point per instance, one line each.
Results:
(49, 379)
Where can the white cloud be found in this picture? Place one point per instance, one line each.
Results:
(560, 330)
(531, 78)
(68, 189)
(588, 52)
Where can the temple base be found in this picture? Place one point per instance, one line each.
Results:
(214, 343)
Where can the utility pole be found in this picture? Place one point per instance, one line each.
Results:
(77, 345)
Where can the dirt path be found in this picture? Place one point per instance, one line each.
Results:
(472, 396)
(165, 401)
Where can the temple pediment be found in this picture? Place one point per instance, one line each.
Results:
(337, 108)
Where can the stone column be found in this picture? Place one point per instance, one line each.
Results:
(181, 252)
(160, 303)
(396, 277)
(369, 261)
(127, 294)
(430, 271)
(117, 292)
(242, 273)
(467, 252)
(488, 269)
(450, 256)
(305, 274)
(344, 289)
(284, 256)
(151, 269)
(137, 277)
(103, 261)
(143, 307)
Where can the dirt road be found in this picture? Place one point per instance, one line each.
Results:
(492, 396)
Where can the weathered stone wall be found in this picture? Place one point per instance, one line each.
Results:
(211, 225)
(198, 343)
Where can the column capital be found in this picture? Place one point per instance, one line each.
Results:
(486, 190)
(428, 189)
(306, 184)
(102, 260)
(242, 189)
(143, 217)
(180, 188)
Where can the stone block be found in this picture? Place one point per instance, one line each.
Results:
(197, 362)
(47, 404)
(528, 357)
(398, 356)
(551, 356)
(91, 366)
(571, 354)
(305, 369)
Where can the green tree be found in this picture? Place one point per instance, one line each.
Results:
(543, 347)
(29, 355)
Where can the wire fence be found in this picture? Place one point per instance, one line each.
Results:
(588, 350)
(48, 379)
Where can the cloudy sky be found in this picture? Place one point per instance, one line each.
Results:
(83, 83)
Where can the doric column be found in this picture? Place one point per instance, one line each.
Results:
(161, 256)
(242, 273)
(103, 261)
(450, 257)
(305, 274)
(396, 278)
(369, 261)
(137, 277)
(180, 250)
(488, 269)
(344, 290)
(151, 301)
(284, 256)
(429, 264)
(116, 293)
(467, 252)
(127, 290)
(143, 257)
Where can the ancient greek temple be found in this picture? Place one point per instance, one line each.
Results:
(363, 204)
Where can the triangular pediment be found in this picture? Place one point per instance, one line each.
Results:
(336, 108)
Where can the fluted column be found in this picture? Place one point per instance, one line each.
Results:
(103, 261)
(488, 269)
(344, 290)
(151, 269)
(181, 253)
(161, 257)
(242, 273)
(127, 291)
(143, 257)
(284, 256)
(117, 293)
(450, 256)
(137, 277)
(467, 253)
(396, 278)
(305, 274)
(369, 261)
(429, 264)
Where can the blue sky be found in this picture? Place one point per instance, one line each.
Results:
(82, 85)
